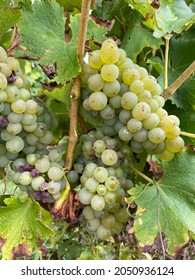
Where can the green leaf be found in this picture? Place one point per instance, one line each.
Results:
(70, 5)
(178, 15)
(137, 38)
(60, 94)
(20, 224)
(169, 206)
(8, 18)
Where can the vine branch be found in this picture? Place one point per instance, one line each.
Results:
(179, 81)
(75, 94)
(143, 175)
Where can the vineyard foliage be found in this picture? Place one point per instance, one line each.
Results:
(109, 196)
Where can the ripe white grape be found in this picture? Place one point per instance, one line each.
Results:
(15, 145)
(168, 123)
(149, 82)
(3, 54)
(25, 178)
(108, 221)
(88, 213)
(109, 72)
(100, 174)
(95, 82)
(156, 135)
(110, 197)
(111, 183)
(130, 75)
(144, 96)
(28, 119)
(115, 102)
(134, 125)
(166, 155)
(54, 187)
(47, 138)
(18, 106)
(175, 145)
(141, 135)
(4, 161)
(37, 182)
(103, 233)
(137, 86)
(43, 165)
(55, 173)
(3, 81)
(152, 121)
(97, 100)
(109, 52)
(5, 70)
(97, 202)
(99, 146)
(124, 134)
(111, 89)
(107, 112)
(125, 116)
(14, 117)
(94, 60)
(13, 63)
(3, 96)
(24, 94)
(13, 93)
(141, 111)
(93, 224)
(14, 128)
(101, 189)
(31, 107)
(129, 100)
(91, 184)
(85, 196)
(109, 157)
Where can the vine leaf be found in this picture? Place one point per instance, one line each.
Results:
(21, 226)
(169, 206)
(8, 18)
(46, 40)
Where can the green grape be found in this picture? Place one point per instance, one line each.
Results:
(18, 106)
(31, 107)
(89, 169)
(168, 123)
(88, 213)
(160, 148)
(28, 119)
(122, 56)
(55, 155)
(37, 182)
(129, 100)
(93, 224)
(137, 86)
(25, 178)
(97, 202)
(110, 197)
(159, 99)
(166, 155)
(14, 117)
(87, 71)
(111, 89)
(13, 93)
(99, 146)
(174, 132)
(5, 70)
(13, 63)
(126, 64)
(144, 96)
(134, 125)
(95, 82)
(43, 165)
(125, 116)
(115, 102)
(152, 121)
(24, 94)
(6, 136)
(111, 183)
(122, 215)
(109, 157)
(154, 105)
(30, 128)
(141, 111)
(31, 158)
(101, 189)
(97, 100)
(47, 138)
(15, 145)
(156, 135)
(175, 145)
(14, 128)
(100, 174)
(94, 60)
(108, 221)
(85, 196)
(107, 112)
(109, 52)
(149, 146)
(130, 75)
(3, 54)
(141, 135)
(103, 233)
(91, 184)
(125, 134)
(161, 113)
(54, 187)
(3, 96)
(175, 118)
(3, 81)
(149, 83)
(4, 161)
(31, 139)
(19, 83)
(55, 173)
(109, 72)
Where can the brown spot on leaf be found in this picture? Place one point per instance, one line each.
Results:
(155, 4)
(104, 23)
(20, 251)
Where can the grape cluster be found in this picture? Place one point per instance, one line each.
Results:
(102, 169)
(129, 102)
(25, 135)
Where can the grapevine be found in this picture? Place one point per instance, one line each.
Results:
(93, 148)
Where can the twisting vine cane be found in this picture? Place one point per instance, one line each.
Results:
(75, 94)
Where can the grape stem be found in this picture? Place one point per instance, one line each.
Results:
(143, 176)
(75, 93)
(192, 135)
(167, 38)
(179, 81)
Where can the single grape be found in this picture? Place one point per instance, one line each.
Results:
(97, 202)
(93, 224)
(15, 145)
(125, 134)
(103, 233)
(85, 196)
(109, 157)
(54, 187)
(43, 165)
(130, 75)
(25, 178)
(55, 173)
(175, 145)
(141, 111)
(109, 72)
(97, 100)
(109, 52)
(91, 184)
(111, 89)
(100, 174)
(111, 183)
(95, 82)
(134, 125)
(94, 60)
(3, 81)
(108, 221)
(88, 213)
(156, 135)
(129, 100)
(37, 182)
(72, 177)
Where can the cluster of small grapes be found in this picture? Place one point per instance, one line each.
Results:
(129, 101)
(25, 135)
(102, 167)
(41, 176)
